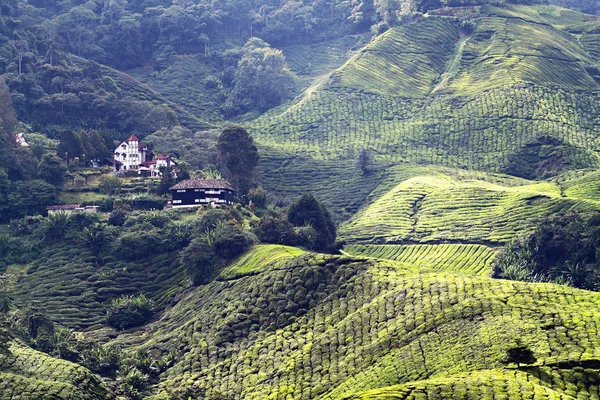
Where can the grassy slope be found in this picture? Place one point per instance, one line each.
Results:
(26, 374)
(513, 96)
(371, 325)
(469, 258)
(66, 283)
(258, 260)
(433, 205)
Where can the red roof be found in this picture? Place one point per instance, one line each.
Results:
(162, 157)
(132, 138)
(148, 162)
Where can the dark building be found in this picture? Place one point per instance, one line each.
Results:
(195, 192)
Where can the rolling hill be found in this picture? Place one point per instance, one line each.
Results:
(330, 327)
(515, 92)
(481, 120)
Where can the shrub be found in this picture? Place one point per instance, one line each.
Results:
(230, 241)
(309, 211)
(117, 217)
(276, 230)
(199, 261)
(101, 359)
(306, 236)
(135, 245)
(128, 311)
(258, 197)
(110, 184)
(563, 248)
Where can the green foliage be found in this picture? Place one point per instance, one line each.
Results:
(364, 161)
(262, 79)
(70, 146)
(231, 241)
(129, 311)
(56, 226)
(138, 244)
(52, 170)
(117, 217)
(258, 197)
(308, 211)
(562, 248)
(30, 197)
(519, 354)
(167, 180)
(238, 157)
(110, 184)
(199, 260)
(276, 230)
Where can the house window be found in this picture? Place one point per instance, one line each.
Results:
(176, 201)
(196, 190)
(197, 200)
(181, 191)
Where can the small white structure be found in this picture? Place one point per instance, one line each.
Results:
(135, 155)
(70, 209)
(130, 154)
(20, 140)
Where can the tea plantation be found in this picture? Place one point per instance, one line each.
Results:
(466, 208)
(29, 374)
(473, 122)
(514, 93)
(330, 327)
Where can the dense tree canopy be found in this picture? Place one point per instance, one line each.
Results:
(238, 157)
(262, 79)
(564, 248)
(308, 211)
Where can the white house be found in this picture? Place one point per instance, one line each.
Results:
(134, 155)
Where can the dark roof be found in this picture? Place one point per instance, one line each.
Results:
(202, 184)
(65, 207)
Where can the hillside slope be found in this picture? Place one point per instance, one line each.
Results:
(327, 327)
(493, 99)
(28, 374)
(429, 205)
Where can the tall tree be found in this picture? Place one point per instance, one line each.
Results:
(4, 192)
(238, 157)
(262, 77)
(8, 118)
(309, 211)
(99, 146)
(88, 150)
(52, 170)
(70, 146)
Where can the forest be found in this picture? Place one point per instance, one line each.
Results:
(416, 210)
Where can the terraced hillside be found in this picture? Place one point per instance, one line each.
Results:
(430, 205)
(494, 99)
(66, 282)
(469, 258)
(329, 327)
(28, 374)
